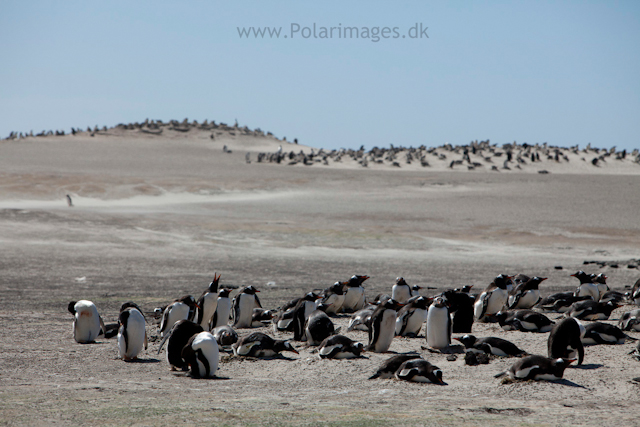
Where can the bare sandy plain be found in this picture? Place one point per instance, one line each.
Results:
(156, 215)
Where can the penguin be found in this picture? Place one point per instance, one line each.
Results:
(635, 292)
(208, 302)
(524, 321)
(415, 290)
(225, 335)
(360, 319)
(87, 323)
(201, 354)
(592, 310)
(421, 371)
(586, 287)
(438, 324)
(604, 333)
(537, 368)
(243, 305)
(526, 294)
(630, 321)
(221, 314)
(382, 326)
(461, 306)
(493, 298)
(261, 317)
(318, 326)
(298, 316)
(491, 345)
(132, 335)
(258, 344)
(560, 302)
(389, 367)
(353, 294)
(183, 308)
(176, 338)
(601, 282)
(411, 317)
(614, 296)
(333, 298)
(400, 291)
(565, 340)
(339, 347)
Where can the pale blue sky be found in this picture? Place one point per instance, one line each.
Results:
(565, 73)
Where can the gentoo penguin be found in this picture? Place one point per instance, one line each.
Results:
(339, 347)
(630, 321)
(401, 291)
(318, 326)
(243, 305)
(132, 335)
(201, 353)
(87, 323)
(601, 282)
(537, 368)
(420, 371)
(183, 308)
(353, 294)
(220, 316)
(333, 298)
(586, 287)
(526, 294)
(389, 367)
(635, 292)
(604, 333)
(524, 321)
(517, 280)
(592, 310)
(299, 314)
(410, 318)
(261, 317)
(438, 324)
(225, 335)
(565, 340)
(560, 302)
(491, 345)
(177, 337)
(415, 290)
(360, 319)
(208, 302)
(284, 320)
(461, 306)
(493, 298)
(258, 344)
(614, 296)
(382, 326)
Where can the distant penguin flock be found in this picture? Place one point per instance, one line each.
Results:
(196, 332)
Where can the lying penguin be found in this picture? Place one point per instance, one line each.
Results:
(537, 368)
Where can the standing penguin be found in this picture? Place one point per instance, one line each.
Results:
(401, 291)
(382, 326)
(284, 321)
(635, 293)
(333, 298)
(438, 324)
(132, 334)
(87, 323)
(493, 298)
(411, 317)
(461, 307)
(526, 294)
(354, 294)
(586, 287)
(565, 340)
(202, 354)
(243, 305)
(208, 302)
(183, 308)
(601, 282)
(223, 309)
(415, 290)
(177, 337)
(318, 326)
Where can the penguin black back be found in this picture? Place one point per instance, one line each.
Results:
(565, 339)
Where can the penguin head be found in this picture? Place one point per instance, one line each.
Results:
(224, 293)
(358, 346)
(356, 281)
(502, 280)
(401, 282)
(465, 289)
(336, 288)
(500, 316)
(416, 288)
(392, 304)
(72, 307)
(601, 278)
(534, 282)
(422, 302)
(130, 304)
(311, 296)
(582, 276)
(467, 340)
(285, 345)
(189, 300)
(436, 376)
(440, 302)
(251, 290)
(213, 286)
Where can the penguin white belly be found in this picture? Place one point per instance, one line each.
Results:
(207, 344)
(529, 326)
(335, 303)
(529, 299)
(438, 335)
(354, 298)
(86, 324)
(401, 293)
(399, 323)
(223, 307)
(245, 309)
(414, 324)
(132, 346)
(387, 329)
(284, 323)
(477, 307)
(497, 300)
(497, 351)
(244, 349)
(546, 377)
(590, 290)
(602, 289)
(177, 311)
(524, 372)
(309, 307)
(208, 308)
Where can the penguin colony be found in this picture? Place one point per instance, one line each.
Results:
(196, 332)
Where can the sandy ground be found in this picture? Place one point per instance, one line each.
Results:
(156, 216)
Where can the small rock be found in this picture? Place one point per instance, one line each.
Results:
(452, 358)
(558, 267)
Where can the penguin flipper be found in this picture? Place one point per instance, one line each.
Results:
(515, 301)
(485, 304)
(146, 341)
(104, 330)
(258, 305)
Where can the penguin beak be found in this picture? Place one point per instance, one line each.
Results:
(572, 275)
(542, 279)
(257, 290)
(457, 339)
